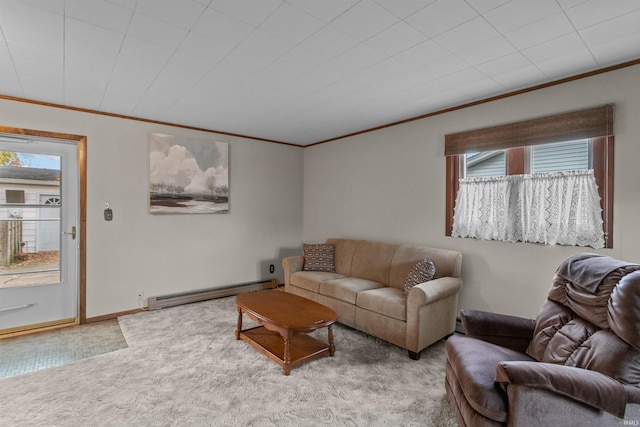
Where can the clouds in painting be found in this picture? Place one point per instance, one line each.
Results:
(190, 165)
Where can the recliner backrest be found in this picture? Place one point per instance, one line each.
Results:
(593, 325)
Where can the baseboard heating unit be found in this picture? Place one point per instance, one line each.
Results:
(163, 301)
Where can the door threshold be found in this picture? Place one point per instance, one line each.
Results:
(38, 327)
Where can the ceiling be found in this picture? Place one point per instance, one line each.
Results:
(300, 71)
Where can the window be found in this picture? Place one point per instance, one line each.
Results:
(14, 196)
(578, 140)
(561, 156)
(487, 163)
(552, 157)
(53, 200)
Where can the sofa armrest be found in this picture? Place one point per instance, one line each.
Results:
(589, 387)
(291, 265)
(508, 331)
(433, 290)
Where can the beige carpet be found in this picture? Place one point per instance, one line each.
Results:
(184, 367)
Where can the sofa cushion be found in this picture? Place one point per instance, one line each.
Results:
(422, 271)
(310, 280)
(372, 261)
(403, 261)
(345, 248)
(347, 289)
(474, 363)
(319, 257)
(388, 301)
(447, 263)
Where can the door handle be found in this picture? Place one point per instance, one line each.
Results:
(72, 233)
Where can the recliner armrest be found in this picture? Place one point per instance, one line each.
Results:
(508, 331)
(589, 387)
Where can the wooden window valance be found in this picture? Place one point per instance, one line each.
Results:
(589, 123)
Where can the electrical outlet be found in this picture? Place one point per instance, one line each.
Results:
(271, 268)
(141, 299)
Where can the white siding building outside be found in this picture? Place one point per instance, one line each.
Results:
(31, 187)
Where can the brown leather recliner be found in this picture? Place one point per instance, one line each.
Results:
(577, 364)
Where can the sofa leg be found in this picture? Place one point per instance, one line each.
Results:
(413, 355)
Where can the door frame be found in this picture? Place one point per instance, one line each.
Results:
(81, 148)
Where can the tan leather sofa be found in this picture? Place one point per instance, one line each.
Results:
(577, 364)
(367, 290)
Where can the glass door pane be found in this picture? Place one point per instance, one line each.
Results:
(30, 201)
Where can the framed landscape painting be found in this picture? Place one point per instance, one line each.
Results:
(188, 175)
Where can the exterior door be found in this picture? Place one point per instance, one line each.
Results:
(39, 251)
(49, 231)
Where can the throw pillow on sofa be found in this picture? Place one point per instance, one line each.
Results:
(319, 257)
(422, 271)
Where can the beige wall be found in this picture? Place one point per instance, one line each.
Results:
(390, 185)
(385, 185)
(173, 253)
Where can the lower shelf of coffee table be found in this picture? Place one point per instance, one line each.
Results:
(302, 348)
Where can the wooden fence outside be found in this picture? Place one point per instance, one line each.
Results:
(10, 241)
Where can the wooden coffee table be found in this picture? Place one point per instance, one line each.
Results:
(284, 322)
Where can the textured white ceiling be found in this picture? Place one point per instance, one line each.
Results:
(300, 71)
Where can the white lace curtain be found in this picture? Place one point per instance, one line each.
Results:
(552, 208)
